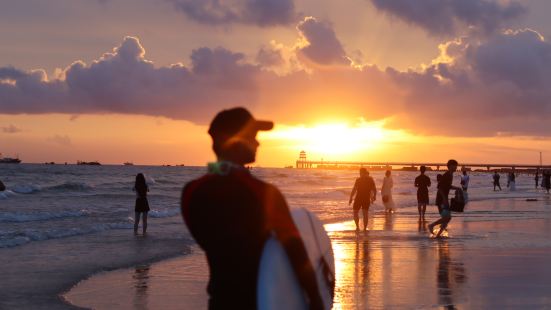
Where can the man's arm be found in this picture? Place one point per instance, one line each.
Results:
(281, 222)
(374, 190)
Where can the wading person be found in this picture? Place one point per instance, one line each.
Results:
(142, 205)
(422, 182)
(365, 193)
(386, 192)
(231, 215)
(444, 187)
(496, 178)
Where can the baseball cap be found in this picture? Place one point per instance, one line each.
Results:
(236, 120)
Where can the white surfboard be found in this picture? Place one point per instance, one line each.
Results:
(278, 286)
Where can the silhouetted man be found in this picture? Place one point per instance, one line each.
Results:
(231, 214)
(496, 181)
(366, 193)
(422, 182)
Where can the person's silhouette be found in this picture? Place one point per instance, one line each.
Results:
(365, 193)
(231, 214)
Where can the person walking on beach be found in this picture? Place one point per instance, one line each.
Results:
(365, 193)
(444, 187)
(231, 214)
(537, 177)
(422, 182)
(496, 180)
(386, 192)
(547, 179)
(511, 184)
(142, 205)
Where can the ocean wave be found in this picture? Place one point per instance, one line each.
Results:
(71, 186)
(5, 194)
(18, 217)
(11, 239)
(25, 188)
(164, 213)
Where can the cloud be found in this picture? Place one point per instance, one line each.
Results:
(496, 85)
(11, 129)
(320, 43)
(452, 17)
(63, 140)
(499, 85)
(263, 13)
(123, 81)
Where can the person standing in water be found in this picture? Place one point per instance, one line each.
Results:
(537, 178)
(386, 192)
(142, 205)
(231, 214)
(465, 181)
(366, 192)
(547, 178)
(511, 181)
(496, 178)
(2, 187)
(422, 182)
(444, 187)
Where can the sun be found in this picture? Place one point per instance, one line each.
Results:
(333, 140)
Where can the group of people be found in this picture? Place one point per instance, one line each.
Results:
(364, 193)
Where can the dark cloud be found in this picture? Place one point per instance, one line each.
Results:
(450, 17)
(123, 81)
(269, 57)
(321, 43)
(263, 13)
(500, 85)
(11, 129)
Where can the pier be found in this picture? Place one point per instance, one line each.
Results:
(305, 164)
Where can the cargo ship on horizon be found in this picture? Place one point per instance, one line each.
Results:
(9, 160)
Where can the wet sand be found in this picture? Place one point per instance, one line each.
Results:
(497, 255)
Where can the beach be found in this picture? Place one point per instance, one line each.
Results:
(66, 242)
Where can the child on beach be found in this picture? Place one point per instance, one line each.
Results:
(444, 187)
(422, 182)
(142, 205)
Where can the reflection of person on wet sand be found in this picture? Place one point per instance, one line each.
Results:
(449, 276)
(365, 192)
(141, 278)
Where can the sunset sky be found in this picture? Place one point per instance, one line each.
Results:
(371, 80)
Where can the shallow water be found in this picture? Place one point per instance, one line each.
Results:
(395, 265)
(75, 220)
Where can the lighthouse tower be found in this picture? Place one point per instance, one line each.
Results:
(302, 162)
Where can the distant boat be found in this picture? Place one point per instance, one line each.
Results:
(128, 163)
(91, 163)
(9, 160)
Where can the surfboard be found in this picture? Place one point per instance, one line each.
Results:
(278, 286)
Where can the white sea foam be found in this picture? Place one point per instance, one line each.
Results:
(164, 213)
(10, 239)
(26, 188)
(19, 217)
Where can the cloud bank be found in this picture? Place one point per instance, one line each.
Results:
(262, 13)
(452, 17)
(496, 85)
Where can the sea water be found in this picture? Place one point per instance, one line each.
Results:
(48, 211)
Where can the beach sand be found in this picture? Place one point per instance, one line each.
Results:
(497, 255)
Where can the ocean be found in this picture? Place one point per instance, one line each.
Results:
(62, 223)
